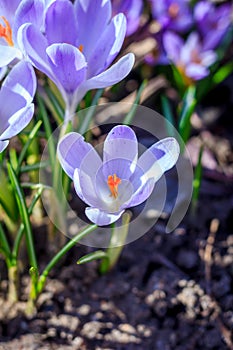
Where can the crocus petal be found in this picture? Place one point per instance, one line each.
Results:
(3, 72)
(132, 10)
(8, 54)
(142, 194)
(3, 145)
(113, 75)
(201, 9)
(108, 45)
(196, 71)
(159, 158)
(85, 189)
(121, 142)
(22, 80)
(60, 23)
(191, 48)
(72, 150)
(172, 44)
(18, 122)
(92, 18)
(68, 65)
(34, 44)
(18, 88)
(29, 11)
(208, 58)
(102, 218)
(142, 188)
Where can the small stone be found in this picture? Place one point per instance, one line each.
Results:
(125, 327)
(84, 310)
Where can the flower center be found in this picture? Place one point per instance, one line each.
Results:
(113, 182)
(173, 10)
(195, 56)
(6, 32)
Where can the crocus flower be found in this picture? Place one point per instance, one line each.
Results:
(132, 9)
(174, 15)
(80, 43)
(16, 95)
(120, 180)
(13, 14)
(190, 58)
(213, 22)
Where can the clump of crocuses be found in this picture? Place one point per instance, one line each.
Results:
(79, 43)
(205, 25)
(120, 180)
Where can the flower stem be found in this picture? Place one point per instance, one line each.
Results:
(13, 283)
(119, 235)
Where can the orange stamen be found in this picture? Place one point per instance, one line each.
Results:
(6, 32)
(113, 182)
(80, 48)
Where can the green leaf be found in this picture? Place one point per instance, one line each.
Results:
(188, 107)
(15, 250)
(24, 215)
(99, 254)
(27, 145)
(89, 115)
(7, 197)
(129, 117)
(223, 73)
(197, 177)
(48, 130)
(36, 166)
(4, 245)
(51, 102)
(168, 114)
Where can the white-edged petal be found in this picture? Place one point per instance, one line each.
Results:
(102, 218)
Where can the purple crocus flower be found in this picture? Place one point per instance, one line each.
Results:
(16, 95)
(80, 43)
(13, 14)
(190, 58)
(132, 10)
(174, 15)
(213, 22)
(120, 180)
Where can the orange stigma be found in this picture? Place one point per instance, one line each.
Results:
(113, 182)
(80, 48)
(6, 32)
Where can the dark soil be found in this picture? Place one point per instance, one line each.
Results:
(168, 291)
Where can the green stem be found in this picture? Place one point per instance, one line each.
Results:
(13, 283)
(119, 235)
(60, 254)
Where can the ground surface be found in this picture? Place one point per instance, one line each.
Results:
(168, 291)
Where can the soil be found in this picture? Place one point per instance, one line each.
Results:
(168, 291)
